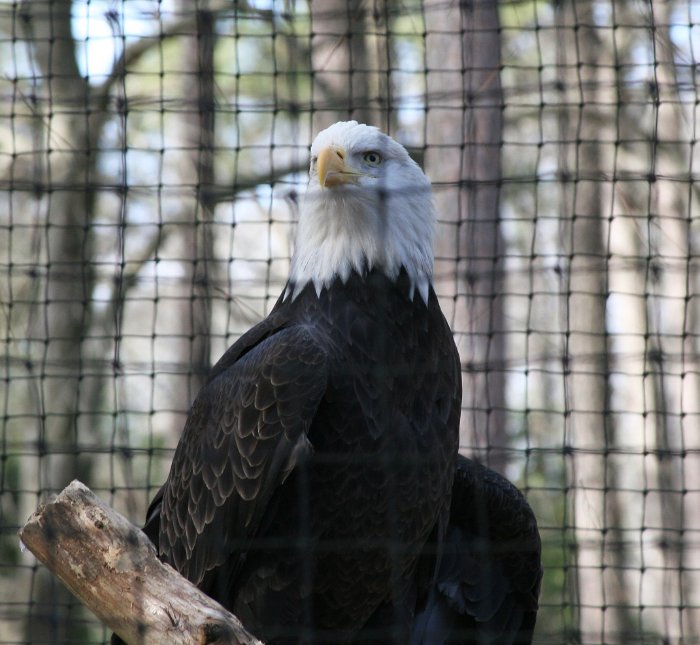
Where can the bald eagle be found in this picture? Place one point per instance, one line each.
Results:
(310, 492)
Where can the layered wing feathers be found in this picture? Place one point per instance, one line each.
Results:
(245, 431)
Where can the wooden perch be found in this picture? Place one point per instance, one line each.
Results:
(112, 567)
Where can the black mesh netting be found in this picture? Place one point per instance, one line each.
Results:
(152, 159)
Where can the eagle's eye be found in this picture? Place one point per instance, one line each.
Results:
(372, 158)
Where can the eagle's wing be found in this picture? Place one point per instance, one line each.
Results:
(489, 576)
(244, 434)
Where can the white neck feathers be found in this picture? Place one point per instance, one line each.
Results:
(384, 222)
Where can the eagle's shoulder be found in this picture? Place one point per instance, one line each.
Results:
(281, 317)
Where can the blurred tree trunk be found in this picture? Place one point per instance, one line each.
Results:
(343, 77)
(463, 148)
(62, 319)
(380, 56)
(191, 242)
(591, 434)
(636, 428)
(633, 347)
(673, 324)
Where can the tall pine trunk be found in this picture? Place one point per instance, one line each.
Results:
(464, 132)
(187, 317)
(591, 439)
(61, 321)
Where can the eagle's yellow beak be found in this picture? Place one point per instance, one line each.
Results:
(332, 169)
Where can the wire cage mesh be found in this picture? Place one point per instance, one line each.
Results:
(153, 155)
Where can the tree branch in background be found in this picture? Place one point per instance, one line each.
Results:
(226, 192)
(187, 25)
(112, 567)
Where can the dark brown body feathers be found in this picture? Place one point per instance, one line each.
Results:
(317, 493)
(317, 462)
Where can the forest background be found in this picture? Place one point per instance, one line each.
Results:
(152, 159)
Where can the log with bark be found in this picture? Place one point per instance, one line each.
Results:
(112, 567)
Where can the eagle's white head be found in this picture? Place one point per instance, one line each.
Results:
(368, 205)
